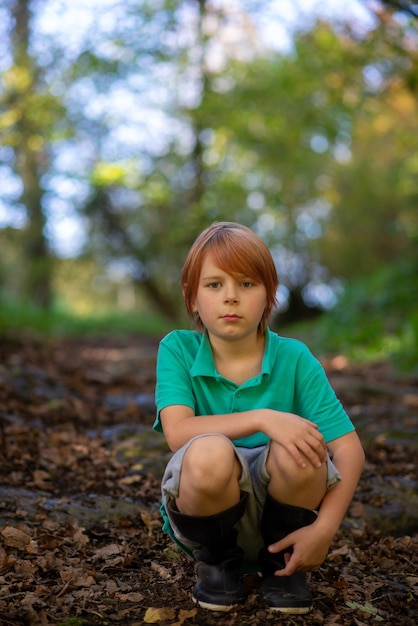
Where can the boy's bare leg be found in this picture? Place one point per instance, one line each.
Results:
(209, 477)
(292, 484)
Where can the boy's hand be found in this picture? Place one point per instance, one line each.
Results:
(299, 437)
(309, 550)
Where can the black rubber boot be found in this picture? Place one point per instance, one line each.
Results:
(217, 561)
(287, 594)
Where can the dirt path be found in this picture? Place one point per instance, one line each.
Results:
(80, 537)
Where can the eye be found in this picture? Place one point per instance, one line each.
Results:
(246, 284)
(214, 285)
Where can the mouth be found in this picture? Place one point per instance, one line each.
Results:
(231, 317)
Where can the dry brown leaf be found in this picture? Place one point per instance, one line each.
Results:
(413, 582)
(57, 456)
(7, 562)
(117, 560)
(133, 596)
(83, 594)
(357, 510)
(160, 569)
(149, 522)
(326, 590)
(80, 538)
(77, 577)
(130, 480)
(184, 615)
(366, 565)
(25, 568)
(154, 615)
(32, 547)
(111, 587)
(343, 551)
(333, 620)
(84, 580)
(15, 538)
(42, 479)
(30, 599)
(109, 550)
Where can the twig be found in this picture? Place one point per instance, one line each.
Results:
(64, 589)
(13, 595)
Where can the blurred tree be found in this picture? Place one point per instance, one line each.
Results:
(28, 113)
(409, 6)
(328, 153)
(254, 150)
(152, 215)
(172, 115)
(374, 219)
(264, 140)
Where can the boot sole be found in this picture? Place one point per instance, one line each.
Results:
(220, 608)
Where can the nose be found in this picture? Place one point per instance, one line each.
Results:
(231, 294)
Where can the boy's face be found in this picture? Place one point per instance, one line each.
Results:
(229, 308)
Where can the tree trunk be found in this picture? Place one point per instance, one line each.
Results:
(31, 158)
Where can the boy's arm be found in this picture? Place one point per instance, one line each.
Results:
(311, 543)
(299, 436)
(348, 457)
(180, 424)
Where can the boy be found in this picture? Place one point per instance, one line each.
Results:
(253, 424)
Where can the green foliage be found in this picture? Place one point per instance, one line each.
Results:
(376, 319)
(74, 621)
(314, 148)
(25, 317)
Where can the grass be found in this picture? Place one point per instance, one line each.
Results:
(26, 317)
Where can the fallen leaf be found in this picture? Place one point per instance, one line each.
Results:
(184, 615)
(130, 480)
(77, 577)
(7, 562)
(357, 510)
(109, 550)
(15, 538)
(32, 547)
(25, 568)
(42, 479)
(153, 615)
(80, 538)
(160, 569)
(149, 522)
(343, 551)
(30, 599)
(366, 608)
(133, 596)
(371, 559)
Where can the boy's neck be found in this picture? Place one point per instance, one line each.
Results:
(238, 360)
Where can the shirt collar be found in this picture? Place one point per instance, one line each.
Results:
(204, 365)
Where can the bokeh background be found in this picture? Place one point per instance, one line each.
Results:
(128, 127)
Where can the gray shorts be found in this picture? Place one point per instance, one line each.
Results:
(254, 480)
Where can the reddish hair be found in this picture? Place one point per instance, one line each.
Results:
(236, 250)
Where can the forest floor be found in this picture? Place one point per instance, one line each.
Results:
(80, 531)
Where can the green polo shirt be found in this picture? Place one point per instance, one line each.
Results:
(291, 380)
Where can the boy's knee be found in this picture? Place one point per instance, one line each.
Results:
(281, 464)
(210, 459)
